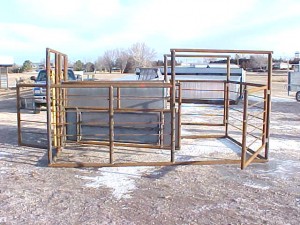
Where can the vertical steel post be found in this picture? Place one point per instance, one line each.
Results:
(228, 69)
(241, 87)
(64, 101)
(161, 133)
(19, 116)
(245, 123)
(59, 104)
(227, 103)
(54, 105)
(166, 68)
(264, 117)
(172, 106)
(6, 77)
(48, 101)
(118, 97)
(78, 125)
(268, 105)
(56, 69)
(65, 78)
(111, 124)
(179, 114)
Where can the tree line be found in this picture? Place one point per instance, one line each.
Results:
(137, 55)
(123, 60)
(26, 66)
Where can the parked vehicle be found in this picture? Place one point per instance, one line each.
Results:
(39, 93)
(298, 96)
(294, 84)
(259, 69)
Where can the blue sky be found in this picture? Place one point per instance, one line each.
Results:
(84, 29)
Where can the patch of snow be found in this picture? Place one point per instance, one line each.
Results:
(279, 144)
(255, 185)
(280, 169)
(3, 155)
(211, 207)
(276, 99)
(120, 179)
(207, 148)
(287, 167)
(285, 127)
(281, 99)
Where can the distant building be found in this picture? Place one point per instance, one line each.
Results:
(281, 66)
(5, 63)
(241, 62)
(38, 66)
(220, 65)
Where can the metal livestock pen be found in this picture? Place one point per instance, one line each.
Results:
(112, 123)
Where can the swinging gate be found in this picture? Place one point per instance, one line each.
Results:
(134, 123)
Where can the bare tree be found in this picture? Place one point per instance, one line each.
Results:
(89, 67)
(258, 61)
(142, 54)
(99, 64)
(139, 55)
(109, 59)
(122, 59)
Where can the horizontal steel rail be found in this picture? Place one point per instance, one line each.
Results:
(177, 163)
(226, 51)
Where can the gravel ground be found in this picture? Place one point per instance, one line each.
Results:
(32, 193)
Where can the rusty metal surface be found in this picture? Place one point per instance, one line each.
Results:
(226, 51)
(258, 132)
(182, 163)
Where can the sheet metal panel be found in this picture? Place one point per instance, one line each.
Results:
(137, 127)
(208, 91)
(98, 97)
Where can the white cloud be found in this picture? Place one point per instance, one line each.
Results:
(30, 41)
(186, 20)
(29, 36)
(284, 42)
(89, 27)
(76, 13)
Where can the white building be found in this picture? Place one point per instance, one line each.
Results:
(5, 63)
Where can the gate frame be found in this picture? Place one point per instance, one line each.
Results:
(267, 98)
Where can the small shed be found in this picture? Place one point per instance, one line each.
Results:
(5, 63)
(208, 91)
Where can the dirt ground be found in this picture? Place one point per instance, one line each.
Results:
(269, 193)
